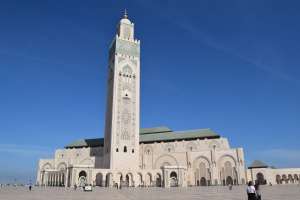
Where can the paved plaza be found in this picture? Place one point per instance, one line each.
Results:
(281, 192)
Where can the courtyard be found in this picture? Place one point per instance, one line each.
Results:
(277, 192)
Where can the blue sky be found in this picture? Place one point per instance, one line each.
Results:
(232, 66)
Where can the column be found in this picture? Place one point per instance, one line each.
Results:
(67, 178)
(51, 179)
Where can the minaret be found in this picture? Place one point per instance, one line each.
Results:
(121, 146)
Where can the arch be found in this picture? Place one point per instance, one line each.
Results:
(99, 179)
(82, 173)
(284, 178)
(125, 149)
(198, 159)
(140, 179)
(165, 158)
(173, 179)
(203, 182)
(82, 178)
(229, 180)
(126, 73)
(129, 180)
(62, 166)
(158, 180)
(46, 166)
(127, 69)
(119, 179)
(126, 63)
(202, 167)
(260, 179)
(165, 164)
(108, 179)
(278, 179)
(290, 178)
(227, 167)
(228, 157)
(296, 178)
(148, 179)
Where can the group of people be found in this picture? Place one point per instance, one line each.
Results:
(253, 191)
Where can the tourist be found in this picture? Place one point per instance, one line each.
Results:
(75, 187)
(251, 191)
(230, 186)
(30, 187)
(258, 193)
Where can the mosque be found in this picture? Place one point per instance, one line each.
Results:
(142, 157)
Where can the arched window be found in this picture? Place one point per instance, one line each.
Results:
(260, 179)
(82, 173)
(117, 150)
(132, 150)
(125, 149)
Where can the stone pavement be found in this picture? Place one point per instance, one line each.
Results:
(278, 192)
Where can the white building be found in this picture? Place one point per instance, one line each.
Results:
(135, 157)
(260, 172)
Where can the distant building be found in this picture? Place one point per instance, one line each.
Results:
(261, 173)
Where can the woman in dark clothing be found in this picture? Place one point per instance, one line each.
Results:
(257, 189)
(251, 192)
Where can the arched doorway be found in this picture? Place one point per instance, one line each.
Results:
(260, 179)
(290, 177)
(140, 179)
(229, 180)
(173, 179)
(203, 182)
(121, 183)
(108, 180)
(284, 178)
(148, 179)
(158, 180)
(82, 178)
(99, 179)
(296, 177)
(278, 179)
(126, 183)
(128, 180)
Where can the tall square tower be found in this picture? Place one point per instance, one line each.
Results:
(121, 141)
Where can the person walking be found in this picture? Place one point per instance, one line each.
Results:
(258, 192)
(251, 192)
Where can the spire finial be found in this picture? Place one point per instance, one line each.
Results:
(125, 14)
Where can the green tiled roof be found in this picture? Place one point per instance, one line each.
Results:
(159, 129)
(258, 164)
(156, 134)
(178, 135)
(86, 143)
